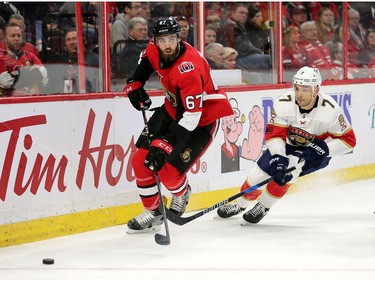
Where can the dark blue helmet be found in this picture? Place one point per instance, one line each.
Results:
(166, 26)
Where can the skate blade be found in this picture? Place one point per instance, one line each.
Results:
(245, 223)
(217, 217)
(152, 229)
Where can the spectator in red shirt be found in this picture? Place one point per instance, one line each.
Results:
(356, 30)
(324, 25)
(336, 71)
(26, 46)
(317, 55)
(293, 59)
(21, 72)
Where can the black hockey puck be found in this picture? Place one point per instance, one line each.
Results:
(48, 261)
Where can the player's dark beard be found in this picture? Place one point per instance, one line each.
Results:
(172, 56)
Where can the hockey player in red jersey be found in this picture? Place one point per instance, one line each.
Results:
(21, 72)
(305, 130)
(181, 129)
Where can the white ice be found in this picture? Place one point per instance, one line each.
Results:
(320, 234)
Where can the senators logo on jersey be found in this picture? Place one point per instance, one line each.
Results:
(185, 156)
(171, 97)
(186, 66)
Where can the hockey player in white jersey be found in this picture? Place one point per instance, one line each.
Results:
(305, 130)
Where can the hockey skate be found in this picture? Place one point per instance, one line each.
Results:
(229, 210)
(148, 221)
(255, 214)
(178, 203)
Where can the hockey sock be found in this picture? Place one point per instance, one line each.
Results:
(274, 193)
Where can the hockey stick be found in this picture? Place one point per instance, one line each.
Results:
(159, 238)
(181, 220)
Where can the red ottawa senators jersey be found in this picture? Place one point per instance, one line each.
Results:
(12, 63)
(189, 87)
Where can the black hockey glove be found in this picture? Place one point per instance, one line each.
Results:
(137, 95)
(158, 154)
(278, 165)
(315, 153)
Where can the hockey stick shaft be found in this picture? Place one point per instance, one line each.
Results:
(183, 220)
(160, 239)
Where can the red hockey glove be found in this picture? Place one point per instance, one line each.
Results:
(157, 156)
(137, 95)
(278, 165)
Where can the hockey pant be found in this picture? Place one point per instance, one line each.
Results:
(273, 190)
(173, 174)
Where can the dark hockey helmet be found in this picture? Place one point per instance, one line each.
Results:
(165, 26)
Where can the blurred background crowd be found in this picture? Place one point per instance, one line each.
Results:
(237, 35)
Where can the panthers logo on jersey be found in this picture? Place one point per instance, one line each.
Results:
(299, 137)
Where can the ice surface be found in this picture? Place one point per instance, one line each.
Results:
(321, 234)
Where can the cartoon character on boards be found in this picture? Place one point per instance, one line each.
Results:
(232, 128)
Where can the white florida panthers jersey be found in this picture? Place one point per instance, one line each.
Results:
(325, 121)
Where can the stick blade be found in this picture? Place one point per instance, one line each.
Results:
(162, 239)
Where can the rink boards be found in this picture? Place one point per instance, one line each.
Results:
(65, 161)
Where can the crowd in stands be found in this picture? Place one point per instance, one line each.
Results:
(317, 40)
(237, 35)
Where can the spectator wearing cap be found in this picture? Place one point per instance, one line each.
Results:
(120, 27)
(299, 16)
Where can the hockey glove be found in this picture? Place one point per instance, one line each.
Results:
(137, 95)
(315, 153)
(157, 156)
(278, 165)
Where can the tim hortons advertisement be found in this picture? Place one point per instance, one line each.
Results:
(69, 156)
